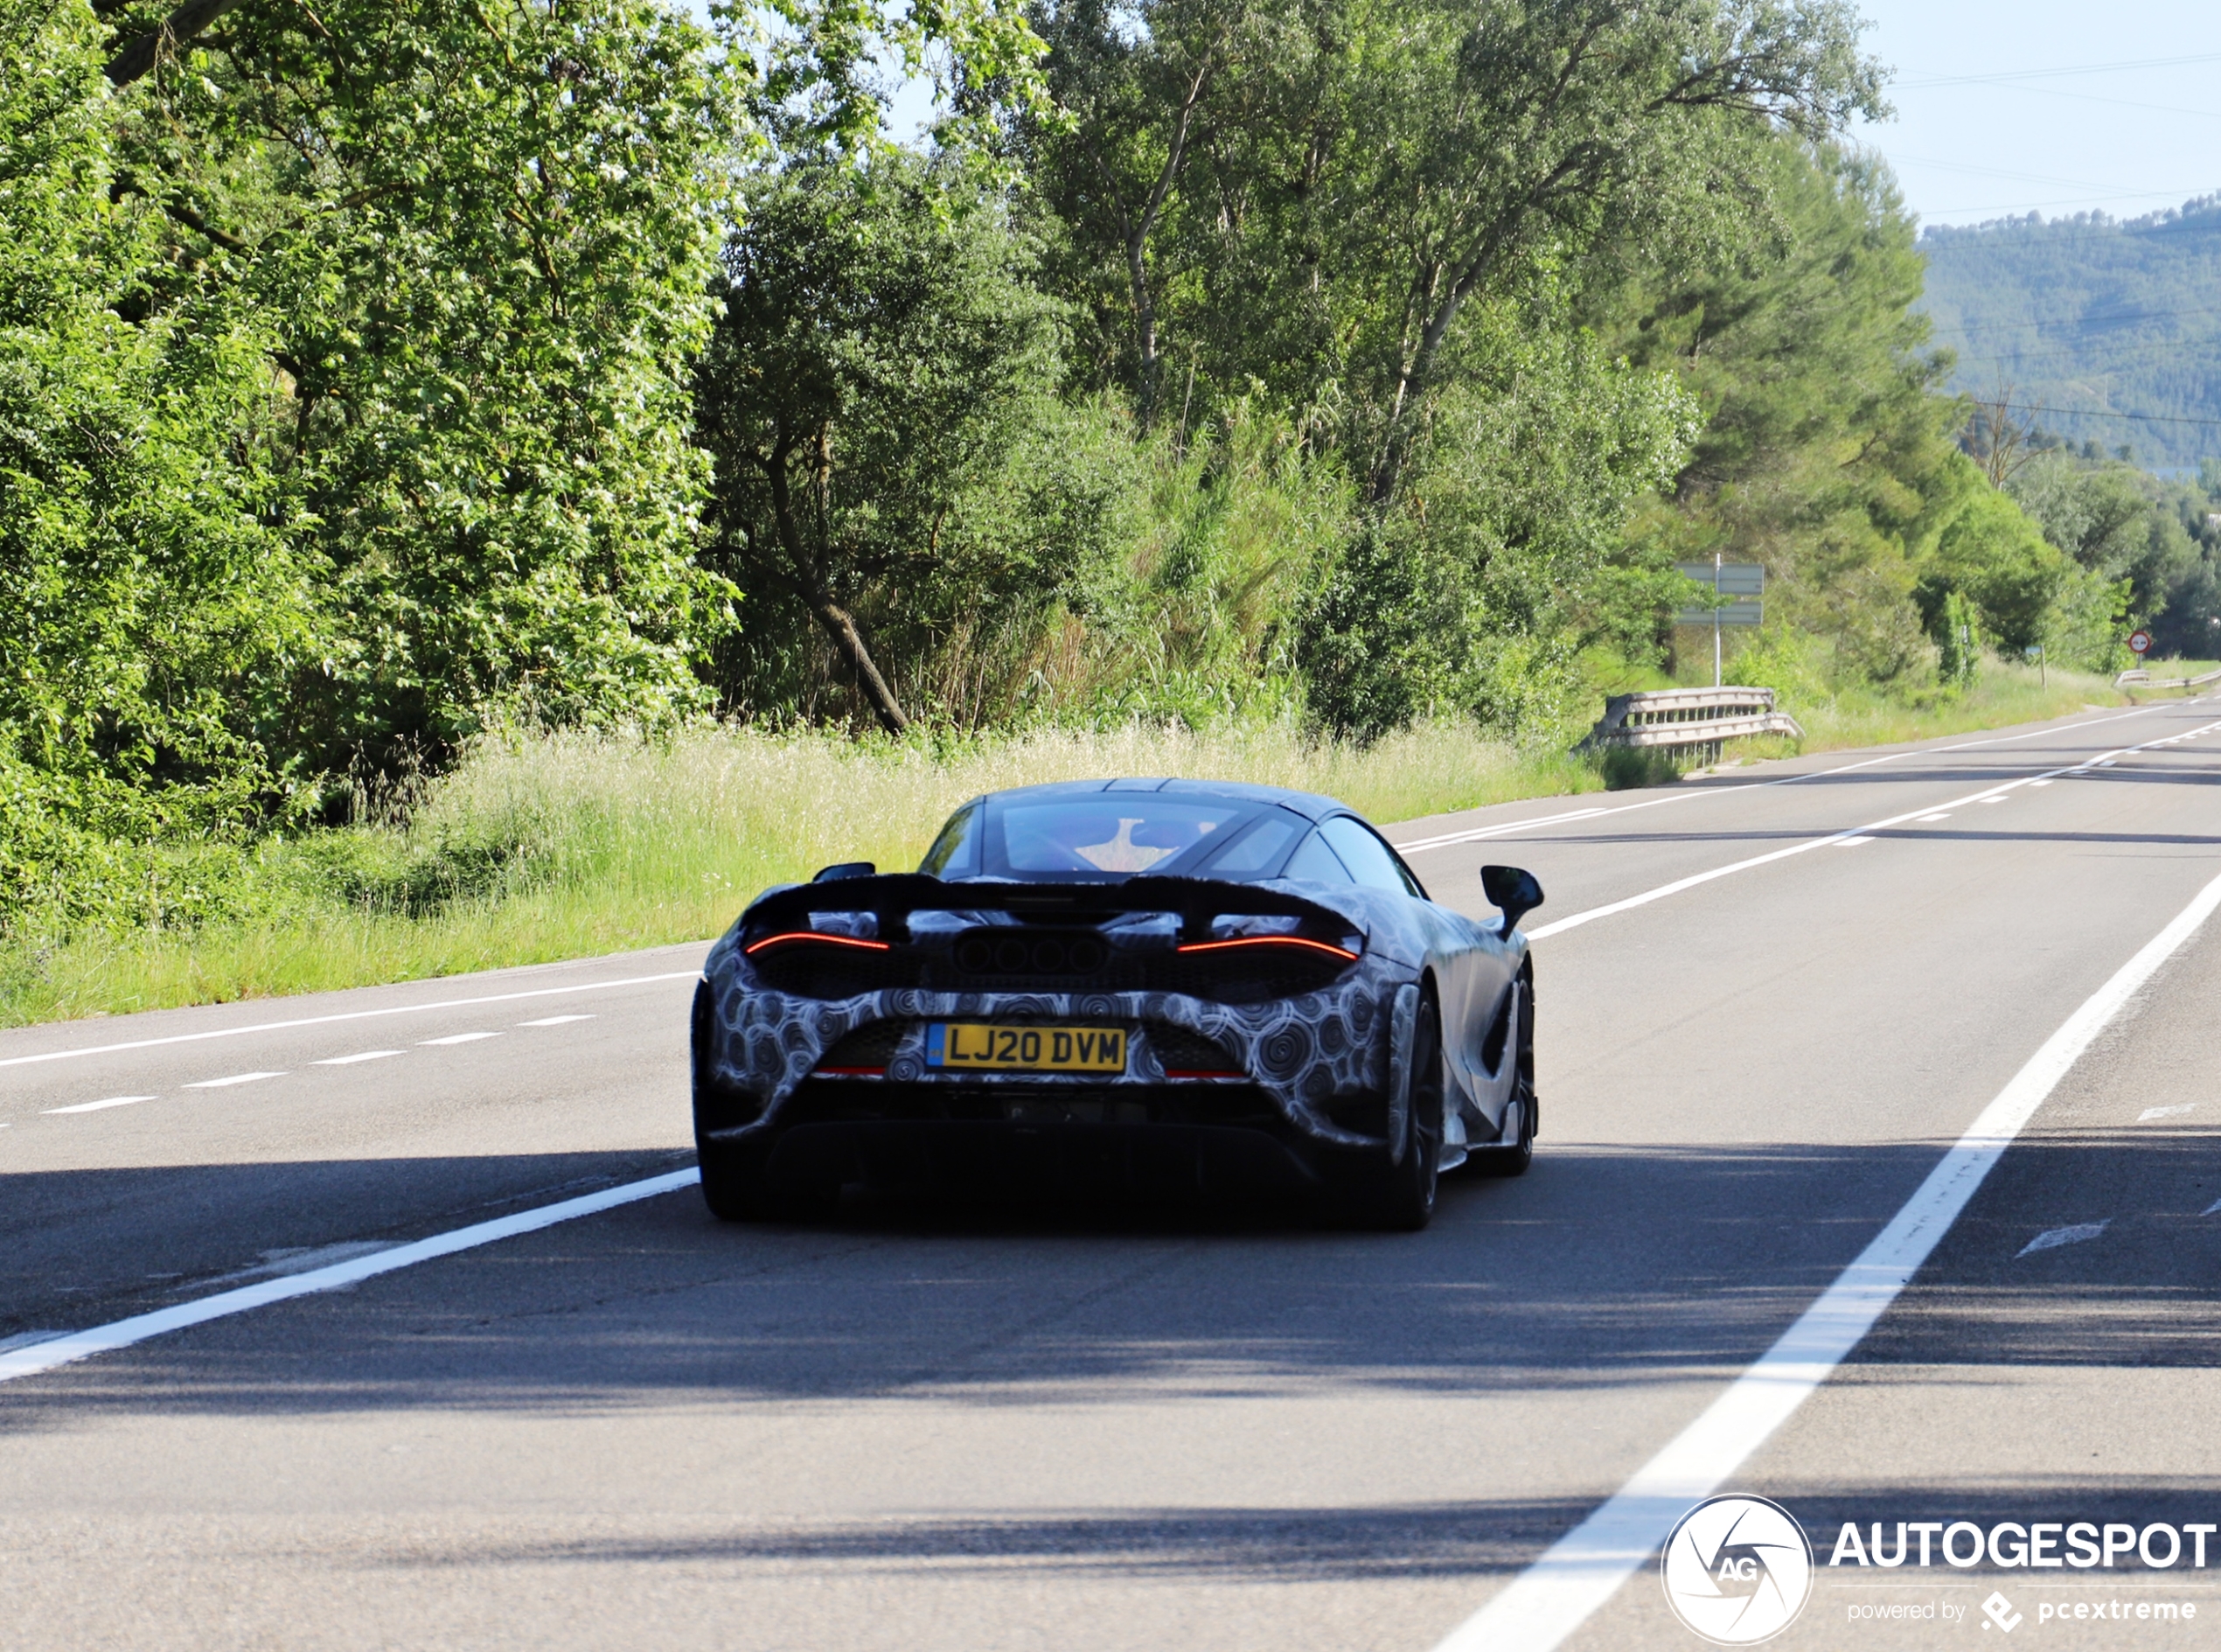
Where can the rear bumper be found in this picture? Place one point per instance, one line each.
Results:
(1002, 1158)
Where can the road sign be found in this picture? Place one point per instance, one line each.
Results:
(1744, 611)
(2139, 643)
(1740, 585)
(1736, 579)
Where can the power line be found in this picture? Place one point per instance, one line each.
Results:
(2081, 322)
(2091, 412)
(2005, 76)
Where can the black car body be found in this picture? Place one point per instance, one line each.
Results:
(1169, 984)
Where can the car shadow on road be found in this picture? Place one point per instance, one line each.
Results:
(1601, 1269)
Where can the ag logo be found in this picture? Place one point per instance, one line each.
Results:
(1736, 1570)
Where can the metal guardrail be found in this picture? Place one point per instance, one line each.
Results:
(2140, 678)
(1687, 717)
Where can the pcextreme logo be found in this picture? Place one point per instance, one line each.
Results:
(1738, 1570)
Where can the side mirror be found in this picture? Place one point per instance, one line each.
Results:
(848, 870)
(1511, 888)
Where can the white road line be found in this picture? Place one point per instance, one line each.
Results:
(1851, 843)
(63, 1350)
(1688, 796)
(95, 1106)
(1479, 833)
(1583, 1569)
(458, 1038)
(235, 1079)
(348, 1015)
(555, 1020)
(1926, 818)
(1449, 840)
(1679, 884)
(2150, 1113)
(360, 1054)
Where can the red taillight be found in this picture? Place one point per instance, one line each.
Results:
(1342, 952)
(818, 936)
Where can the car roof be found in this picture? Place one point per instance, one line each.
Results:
(1309, 804)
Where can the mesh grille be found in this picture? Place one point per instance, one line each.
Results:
(1180, 1050)
(870, 1045)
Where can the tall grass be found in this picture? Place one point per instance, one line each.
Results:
(543, 846)
(2004, 693)
(568, 845)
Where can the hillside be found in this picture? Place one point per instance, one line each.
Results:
(2092, 313)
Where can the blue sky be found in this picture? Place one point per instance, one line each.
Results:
(2134, 123)
(2008, 107)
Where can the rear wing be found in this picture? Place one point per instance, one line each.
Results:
(893, 896)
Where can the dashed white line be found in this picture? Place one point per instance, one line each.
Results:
(97, 1106)
(346, 1015)
(1929, 818)
(2150, 1113)
(555, 1020)
(360, 1054)
(1477, 834)
(63, 1350)
(1575, 920)
(1583, 1569)
(458, 1038)
(234, 1078)
(2052, 1238)
(1851, 843)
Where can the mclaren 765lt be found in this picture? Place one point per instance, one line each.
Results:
(1125, 987)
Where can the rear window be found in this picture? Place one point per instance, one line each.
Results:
(954, 853)
(1110, 832)
(1369, 860)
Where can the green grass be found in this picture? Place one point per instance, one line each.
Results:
(2003, 694)
(572, 845)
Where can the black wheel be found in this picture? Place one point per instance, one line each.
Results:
(1513, 1158)
(1399, 1197)
(737, 1186)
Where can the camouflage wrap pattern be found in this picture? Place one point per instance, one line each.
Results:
(1302, 1050)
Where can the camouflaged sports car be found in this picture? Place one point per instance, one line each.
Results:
(1130, 985)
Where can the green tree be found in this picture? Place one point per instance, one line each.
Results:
(881, 348)
(479, 237)
(2113, 520)
(1991, 553)
(1826, 455)
(149, 617)
(1506, 554)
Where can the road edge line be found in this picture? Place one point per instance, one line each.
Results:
(120, 1334)
(1557, 1592)
(1575, 920)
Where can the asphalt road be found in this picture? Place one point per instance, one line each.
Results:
(926, 1428)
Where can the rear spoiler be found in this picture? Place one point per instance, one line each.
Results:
(893, 896)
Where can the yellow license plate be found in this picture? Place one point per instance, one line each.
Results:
(983, 1046)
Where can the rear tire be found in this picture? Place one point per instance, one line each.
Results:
(1399, 1198)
